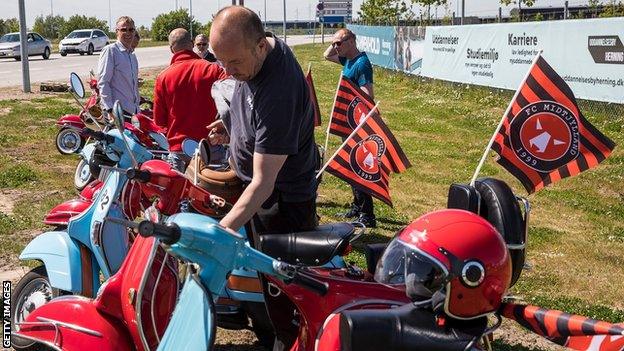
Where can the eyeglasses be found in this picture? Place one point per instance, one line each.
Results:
(201, 44)
(123, 29)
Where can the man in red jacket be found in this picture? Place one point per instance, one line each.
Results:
(182, 100)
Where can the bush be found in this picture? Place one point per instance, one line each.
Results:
(9, 25)
(166, 22)
(82, 22)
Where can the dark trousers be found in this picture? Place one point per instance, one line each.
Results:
(363, 201)
(276, 217)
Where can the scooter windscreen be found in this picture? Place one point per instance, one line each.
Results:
(404, 266)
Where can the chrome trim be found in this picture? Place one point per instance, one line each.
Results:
(162, 266)
(40, 341)
(137, 304)
(465, 272)
(70, 326)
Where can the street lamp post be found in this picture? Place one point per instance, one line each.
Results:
(191, 16)
(284, 21)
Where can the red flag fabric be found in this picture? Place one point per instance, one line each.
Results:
(313, 99)
(367, 159)
(351, 106)
(545, 137)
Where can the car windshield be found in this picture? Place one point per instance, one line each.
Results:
(10, 38)
(73, 35)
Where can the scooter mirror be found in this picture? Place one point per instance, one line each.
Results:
(76, 85)
(118, 117)
(189, 146)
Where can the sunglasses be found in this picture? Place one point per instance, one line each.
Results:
(338, 43)
(201, 44)
(123, 30)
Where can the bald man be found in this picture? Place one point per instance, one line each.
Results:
(271, 134)
(183, 103)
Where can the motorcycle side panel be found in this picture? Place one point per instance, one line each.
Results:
(61, 257)
(192, 326)
(61, 214)
(79, 312)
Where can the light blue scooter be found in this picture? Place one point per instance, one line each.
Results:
(74, 259)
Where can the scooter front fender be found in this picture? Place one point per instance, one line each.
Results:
(72, 323)
(61, 257)
(70, 120)
(61, 214)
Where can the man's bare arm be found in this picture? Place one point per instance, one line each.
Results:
(265, 170)
(331, 54)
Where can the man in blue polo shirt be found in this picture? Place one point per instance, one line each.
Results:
(357, 68)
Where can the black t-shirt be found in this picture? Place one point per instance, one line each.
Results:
(272, 114)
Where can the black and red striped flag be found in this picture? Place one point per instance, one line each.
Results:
(313, 99)
(350, 107)
(367, 158)
(544, 137)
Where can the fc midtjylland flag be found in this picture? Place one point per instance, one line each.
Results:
(350, 107)
(313, 99)
(544, 136)
(367, 158)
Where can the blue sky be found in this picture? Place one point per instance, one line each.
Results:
(143, 11)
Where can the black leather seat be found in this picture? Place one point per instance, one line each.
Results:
(313, 248)
(405, 328)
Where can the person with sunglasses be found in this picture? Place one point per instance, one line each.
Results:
(118, 70)
(203, 49)
(357, 68)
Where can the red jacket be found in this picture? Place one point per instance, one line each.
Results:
(182, 100)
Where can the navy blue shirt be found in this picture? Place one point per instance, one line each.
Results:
(272, 114)
(358, 69)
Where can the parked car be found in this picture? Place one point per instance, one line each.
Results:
(83, 41)
(37, 45)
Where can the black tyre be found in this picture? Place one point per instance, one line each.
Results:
(90, 50)
(63, 53)
(261, 324)
(18, 58)
(69, 141)
(82, 54)
(31, 292)
(46, 53)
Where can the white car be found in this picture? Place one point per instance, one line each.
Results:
(83, 41)
(37, 45)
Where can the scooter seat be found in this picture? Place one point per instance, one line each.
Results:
(312, 248)
(405, 328)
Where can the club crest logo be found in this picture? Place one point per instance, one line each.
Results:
(356, 112)
(545, 135)
(366, 156)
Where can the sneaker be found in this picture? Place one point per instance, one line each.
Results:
(367, 220)
(352, 213)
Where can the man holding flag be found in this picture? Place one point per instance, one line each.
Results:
(357, 68)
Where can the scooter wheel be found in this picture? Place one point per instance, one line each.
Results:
(261, 324)
(69, 141)
(31, 292)
(82, 176)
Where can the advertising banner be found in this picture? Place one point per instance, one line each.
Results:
(398, 48)
(588, 54)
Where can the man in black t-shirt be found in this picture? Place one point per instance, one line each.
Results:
(270, 127)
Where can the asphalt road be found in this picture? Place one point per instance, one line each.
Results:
(58, 68)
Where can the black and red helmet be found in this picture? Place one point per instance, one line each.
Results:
(453, 255)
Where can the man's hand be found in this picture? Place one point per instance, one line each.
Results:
(217, 134)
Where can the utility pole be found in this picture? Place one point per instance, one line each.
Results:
(463, 11)
(51, 9)
(191, 17)
(110, 18)
(265, 14)
(284, 21)
(24, 47)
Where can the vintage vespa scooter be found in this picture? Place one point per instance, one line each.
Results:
(73, 259)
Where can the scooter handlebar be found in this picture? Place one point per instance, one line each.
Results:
(167, 233)
(310, 283)
(97, 135)
(139, 175)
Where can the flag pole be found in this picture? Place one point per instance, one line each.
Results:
(331, 114)
(370, 113)
(309, 67)
(500, 124)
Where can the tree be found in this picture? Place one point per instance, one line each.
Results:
(144, 32)
(82, 22)
(528, 3)
(428, 4)
(49, 26)
(166, 22)
(612, 9)
(384, 11)
(9, 25)
(593, 6)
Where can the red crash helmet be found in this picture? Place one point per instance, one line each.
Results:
(453, 256)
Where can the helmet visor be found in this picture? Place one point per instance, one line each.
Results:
(404, 265)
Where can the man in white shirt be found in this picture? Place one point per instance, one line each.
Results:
(118, 70)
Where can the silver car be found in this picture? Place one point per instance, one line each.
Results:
(37, 45)
(83, 41)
